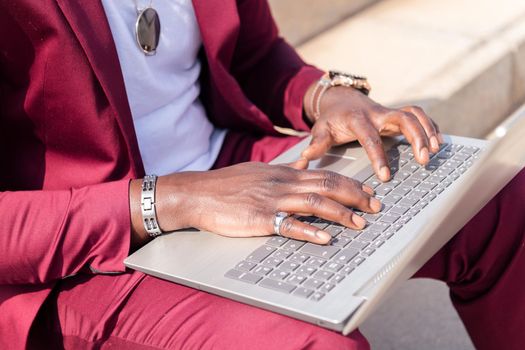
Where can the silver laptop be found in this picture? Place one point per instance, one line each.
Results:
(336, 286)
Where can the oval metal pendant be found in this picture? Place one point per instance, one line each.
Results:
(147, 30)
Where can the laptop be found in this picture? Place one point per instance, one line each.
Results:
(338, 285)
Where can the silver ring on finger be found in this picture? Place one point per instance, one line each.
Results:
(278, 219)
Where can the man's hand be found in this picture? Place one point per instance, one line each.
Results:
(242, 200)
(349, 115)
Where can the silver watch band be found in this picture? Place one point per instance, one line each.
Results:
(147, 205)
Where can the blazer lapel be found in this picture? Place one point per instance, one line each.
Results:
(89, 24)
(219, 26)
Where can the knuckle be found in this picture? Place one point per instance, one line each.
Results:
(313, 200)
(416, 109)
(330, 182)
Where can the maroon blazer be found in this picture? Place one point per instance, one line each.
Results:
(67, 143)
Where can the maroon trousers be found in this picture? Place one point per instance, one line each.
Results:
(483, 265)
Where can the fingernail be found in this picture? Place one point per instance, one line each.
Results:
(358, 221)
(423, 154)
(434, 143)
(375, 204)
(368, 189)
(324, 236)
(384, 173)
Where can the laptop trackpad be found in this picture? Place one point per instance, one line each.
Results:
(329, 162)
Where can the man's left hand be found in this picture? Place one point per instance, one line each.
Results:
(348, 115)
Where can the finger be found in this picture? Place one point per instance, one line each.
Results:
(428, 125)
(415, 134)
(322, 207)
(369, 138)
(342, 189)
(295, 229)
(320, 144)
(300, 164)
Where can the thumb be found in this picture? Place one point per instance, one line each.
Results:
(300, 164)
(320, 144)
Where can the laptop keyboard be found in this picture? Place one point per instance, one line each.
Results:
(311, 271)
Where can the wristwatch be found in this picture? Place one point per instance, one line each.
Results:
(335, 78)
(349, 80)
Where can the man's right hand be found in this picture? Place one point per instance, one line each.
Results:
(242, 200)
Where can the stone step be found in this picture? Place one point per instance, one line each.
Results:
(300, 20)
(463, 61)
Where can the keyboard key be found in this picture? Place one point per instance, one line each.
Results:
(357, 245)
(323, 275)
(369, 251)
(305, 270)
(445, 154)
(322, 251)
(334, 230)
(366, 236)
(303, 292)
(245, 265)
(299, 257)
(350, 233)
(327, 287)
(412, 182)
(262, 270)
(390, 218)
(315, 262)
(243, 276)
(278, 274)
(379, 226)
(260, 253)
(320, 224)
(408, 201)
(345, 255)
(418, 193)
(347, 270)
(235, 274)
(289, 265)
(281, 254)
(402, 175)
(373, 182)
(372, 217)
(392, 199)
(337, 278)
(358, 261)
(427, 185)
(313, 283)
(378, 243)
(277, 241)
(293, 244)
(296, 279)
(333, 267)
(383, 190)
(272, 262)
(340, 241)
(421, 175)
(402, 190)
(277, 285)
(317, 296)
(398, 210)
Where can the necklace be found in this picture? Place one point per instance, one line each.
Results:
(147, 29)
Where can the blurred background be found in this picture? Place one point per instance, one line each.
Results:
(463, 61)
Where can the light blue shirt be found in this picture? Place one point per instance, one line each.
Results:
(172, 130)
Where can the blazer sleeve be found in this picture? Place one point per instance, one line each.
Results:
(270, 72)
(48, 235)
